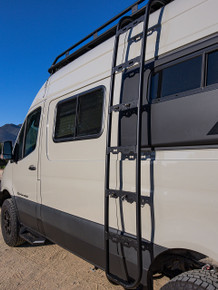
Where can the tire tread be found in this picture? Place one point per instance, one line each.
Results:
(195, 279)
(14, 239)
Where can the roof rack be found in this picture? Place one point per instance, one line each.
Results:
(71, 54)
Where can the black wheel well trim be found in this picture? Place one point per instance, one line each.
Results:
(3, 196)
(185, 259)
(6, 195)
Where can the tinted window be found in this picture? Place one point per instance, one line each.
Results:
(66, 119)
(19, 144)
(178, 78)
(212, 69)
(32, 127)
(90, 113)
(154, 86)
(80, 116)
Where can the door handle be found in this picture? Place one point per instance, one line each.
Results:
(32, 167)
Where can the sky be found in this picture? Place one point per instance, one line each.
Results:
(32, 34)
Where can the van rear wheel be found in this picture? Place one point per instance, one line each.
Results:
(10, 224)
(196, 279)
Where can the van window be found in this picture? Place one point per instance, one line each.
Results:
(32, 127)
(19, 144)
(26, 142)
(178, 78)
(191, 120)
(80, 116)
(212, 68)
(90, 113)
(66, 119)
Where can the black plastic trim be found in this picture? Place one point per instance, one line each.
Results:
(27, 211)
(84, 238)
(186, 93)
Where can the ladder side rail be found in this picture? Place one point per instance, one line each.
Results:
(138, 164)
(110, 276)
(138, 145)
(138, 159)
(108, 144)
(138, 136)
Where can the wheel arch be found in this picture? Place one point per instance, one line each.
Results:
(3, 196)
(173, 262)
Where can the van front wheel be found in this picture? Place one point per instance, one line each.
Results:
(195, 279)
(10, 224)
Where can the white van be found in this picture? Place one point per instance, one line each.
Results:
(117, 159)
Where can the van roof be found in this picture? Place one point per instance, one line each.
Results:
(71, 54)
(88, 65)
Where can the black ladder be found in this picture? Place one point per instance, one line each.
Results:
(130, 150)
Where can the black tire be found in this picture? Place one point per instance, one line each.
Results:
(9, 224)
(194, 280)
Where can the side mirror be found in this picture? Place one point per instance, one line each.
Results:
(7, 150)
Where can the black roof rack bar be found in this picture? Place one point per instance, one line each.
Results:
(98, 38)
(81, 50)
(95, 32)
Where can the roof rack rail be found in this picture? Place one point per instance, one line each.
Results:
(97, 39)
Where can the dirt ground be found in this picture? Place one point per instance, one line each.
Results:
(49, 267)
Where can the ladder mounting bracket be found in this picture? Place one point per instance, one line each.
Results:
(124, 107)
(128, 196)
(127, 64)
(125, 150)
(128, 242)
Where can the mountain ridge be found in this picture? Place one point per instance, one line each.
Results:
(8, 132)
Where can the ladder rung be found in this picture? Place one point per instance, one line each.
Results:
(130, 25)
(129, 69)
(123, 107)
(135, 38)
(125, 150)
(126, 64)
(126, 241)
(127, 195)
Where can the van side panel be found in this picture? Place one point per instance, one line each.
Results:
(72, 173)
(72, 185)
(186, 199)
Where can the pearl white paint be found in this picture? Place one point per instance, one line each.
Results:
(71, 174)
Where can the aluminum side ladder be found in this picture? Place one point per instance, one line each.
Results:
(134, 197)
